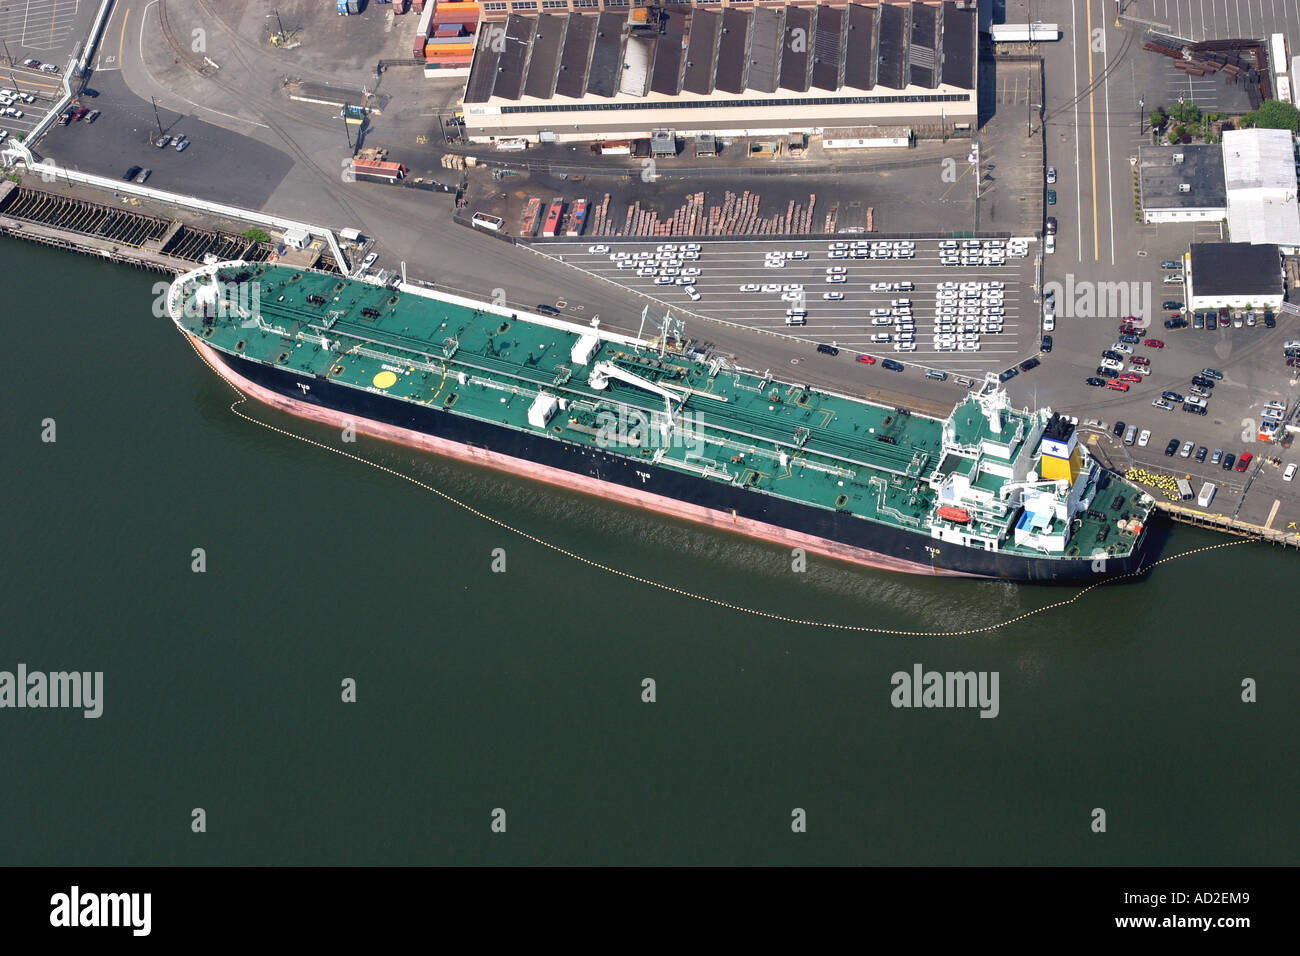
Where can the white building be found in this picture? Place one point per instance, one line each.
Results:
(1182, 184)
(1234, 275)
(1260, 170)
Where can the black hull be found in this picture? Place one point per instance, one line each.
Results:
(839, 526)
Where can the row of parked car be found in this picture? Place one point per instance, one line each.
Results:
(981, 252)
(894, 366)
(879, 249)
(38, 65)
(73, 115)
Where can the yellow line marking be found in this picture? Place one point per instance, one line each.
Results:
(969, 168)
(1092, 133)
(671, 589)
(126, 15)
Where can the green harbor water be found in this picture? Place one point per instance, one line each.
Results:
(522, 690)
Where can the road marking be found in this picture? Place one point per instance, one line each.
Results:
(126, 15)
(1092, 135)
(1078, 180)
(1110, 181)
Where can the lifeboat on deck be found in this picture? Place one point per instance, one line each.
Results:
(959, 515)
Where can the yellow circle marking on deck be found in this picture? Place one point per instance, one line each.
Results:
(385, 380)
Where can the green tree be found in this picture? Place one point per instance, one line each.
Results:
(1185, 112)
(1175, 134)
(1158, 118)
(1273, 114)
(257, 235)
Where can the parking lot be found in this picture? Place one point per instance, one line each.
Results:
(218, 165)
(28, 92)
(750, 285)
(1256, 387)
(36, 32)
(41, 26)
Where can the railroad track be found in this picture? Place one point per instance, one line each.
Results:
(183, 55)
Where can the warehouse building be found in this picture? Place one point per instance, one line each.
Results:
(1259, 166)
(1182, 184)
(734, 70)
(1235, 275)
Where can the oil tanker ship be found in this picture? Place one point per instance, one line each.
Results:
(990, 491)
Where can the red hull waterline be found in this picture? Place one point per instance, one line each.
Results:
(571, 481)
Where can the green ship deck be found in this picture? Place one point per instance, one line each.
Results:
(832, 451)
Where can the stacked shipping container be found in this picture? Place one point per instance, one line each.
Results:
(442, 36)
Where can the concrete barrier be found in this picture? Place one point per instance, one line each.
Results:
(51, 171)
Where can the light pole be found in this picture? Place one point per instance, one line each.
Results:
(1142, 103)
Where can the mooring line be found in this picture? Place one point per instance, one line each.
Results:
(681, 592)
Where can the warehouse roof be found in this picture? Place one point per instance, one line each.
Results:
(1259, 168)
(702, 51)
(765, 49)
(574, 60)
(732, 50)
(1165, 170)
(958, 34)
(853, 46)
(543, 65)
(1236, 269)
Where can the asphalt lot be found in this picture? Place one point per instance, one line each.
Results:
(1198, 20)
(726, 266)
(1096, 77)
(45, 30)
(218, 165)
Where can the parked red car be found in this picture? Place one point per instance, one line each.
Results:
(1140, 360)
(1130, 377)
(1244, 461)
(1153, 343)
(867, 359)
(1117, 385)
